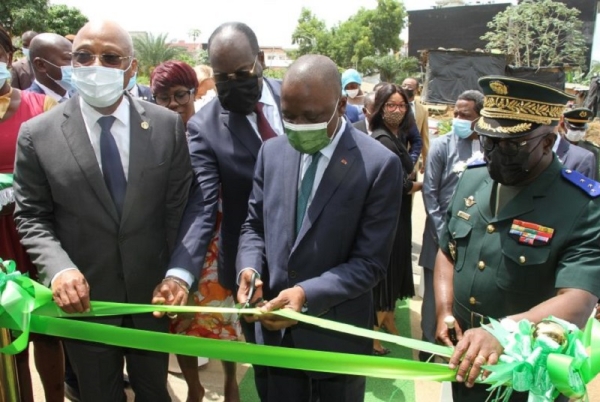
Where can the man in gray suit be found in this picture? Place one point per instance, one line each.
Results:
(568, 143)
(323, 210)
(101, 182)
(445, 156)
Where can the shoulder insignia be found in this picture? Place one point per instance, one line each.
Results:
(587, 185)
(476, 163)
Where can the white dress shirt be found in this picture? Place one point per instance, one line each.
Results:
(326, 154)
(52, 94)
(270, 111)
(120, 130)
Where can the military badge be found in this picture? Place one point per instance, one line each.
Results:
(452, 248)
(470, 201)
(499, 87)
(464, 215)
(530, 233)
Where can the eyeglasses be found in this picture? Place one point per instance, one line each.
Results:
(107, 59)
(507, 147)
(238, 75)
(390, 106)
(181, 97)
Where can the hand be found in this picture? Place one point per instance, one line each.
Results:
(417, 186)
(422, 170)
(442, 331)
(597, 312)
(71, 291)
(291, 298)
(170, 292)
(413, 175)
(244, 290)
(477, 348)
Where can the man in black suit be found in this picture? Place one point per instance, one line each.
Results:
(224, 139)
(363, 125)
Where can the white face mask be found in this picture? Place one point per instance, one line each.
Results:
(352, 93)
(575, 135)
(4, 74)
(99, 86)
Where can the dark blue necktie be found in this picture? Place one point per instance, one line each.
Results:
(112, 167)
(305, 190)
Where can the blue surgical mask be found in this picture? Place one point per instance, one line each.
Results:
(25, 52)
(99, 86)
(66, 73)
(462, 128)
(4, 74)
(132, 82)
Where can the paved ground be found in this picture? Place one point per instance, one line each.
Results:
(426, 391)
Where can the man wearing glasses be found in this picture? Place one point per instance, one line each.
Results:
(224, 139)
(522, 236)
(101, 182)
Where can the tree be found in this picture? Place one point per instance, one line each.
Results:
(538, 33)
(64, 20)
(391, 68)
(152, 50)
(309, 33)
(18, 16)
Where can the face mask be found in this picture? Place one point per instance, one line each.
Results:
(239, 96)
(410, 93)
(25, 52)
(66, 72)
(575, 135)
(352, 93)
(132, 82)
(99, 86)
(4, 74)
(462, 128)
(393, 119)
(511, 170)
(309, 138)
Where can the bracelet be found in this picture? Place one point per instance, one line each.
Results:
(183, 284)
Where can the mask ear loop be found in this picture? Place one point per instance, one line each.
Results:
(338, 122)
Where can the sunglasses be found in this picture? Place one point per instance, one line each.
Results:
(108, 59)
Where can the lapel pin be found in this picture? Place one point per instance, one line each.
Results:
(145, 125)
(469, 202)
(344, 161)
(464, 215)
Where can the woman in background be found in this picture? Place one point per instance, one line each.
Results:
(390, 121)
(173, 85)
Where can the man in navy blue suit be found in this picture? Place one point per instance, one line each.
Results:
(323, 210)
(224, 139)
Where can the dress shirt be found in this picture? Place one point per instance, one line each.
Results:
(326, 154)
(58, 98)
(135, 92)
(270, 110)
(119, 130)
(556, 143)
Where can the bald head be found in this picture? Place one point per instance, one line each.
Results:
(108, 31)
(27, 37)
(318, 71)
(46, 44)
(370, 101)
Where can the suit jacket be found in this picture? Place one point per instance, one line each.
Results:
(343, 247)
(223, 148)
(595, 149)
(65, 214)
(576, 158)
(361, 125)
(145, 93)
(422, 121)
(439, 183)
(21, 74)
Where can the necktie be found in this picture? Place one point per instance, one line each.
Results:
(112, 168)
(264, 128)
(305, 190)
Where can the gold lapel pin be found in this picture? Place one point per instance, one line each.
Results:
(344, 161)
(470, 201)
(145, 125)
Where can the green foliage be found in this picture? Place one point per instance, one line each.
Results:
(152, 50)
(18, 16)
(366, 33)
(391, 68)
(64, 20)
(444, 126)
(538, 33)
(275, 73)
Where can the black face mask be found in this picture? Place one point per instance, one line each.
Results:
(511, 170)
(410, 93)
(239, 96)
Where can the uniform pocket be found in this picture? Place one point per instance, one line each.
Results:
(525, 269)
(460, 232)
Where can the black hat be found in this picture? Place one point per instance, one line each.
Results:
(514, 107)
(577, 118)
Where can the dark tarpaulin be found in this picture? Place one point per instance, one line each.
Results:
(450, 73)
(553, 76)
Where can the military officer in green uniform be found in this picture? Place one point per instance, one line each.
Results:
(574, 125)
(522, 237)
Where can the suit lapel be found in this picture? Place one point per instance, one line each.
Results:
(140, 133)
(240, 128)
(483, 197)
(291, 173)
(75, 133)
(563, 148)
(335, 173)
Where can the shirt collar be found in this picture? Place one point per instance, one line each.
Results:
(556, 143)
(135, 91)
(266, 97)
(51, 93)
(328, 150)
(91, 115)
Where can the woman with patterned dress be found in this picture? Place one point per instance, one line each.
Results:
(173, 84)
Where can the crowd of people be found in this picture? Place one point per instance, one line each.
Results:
(216, 185)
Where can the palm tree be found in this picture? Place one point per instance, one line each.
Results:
(152, 50)
(391, 68)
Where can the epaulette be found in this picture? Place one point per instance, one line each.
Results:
(477, 163)
(587, 185)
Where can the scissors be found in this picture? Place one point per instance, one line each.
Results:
(248, 304)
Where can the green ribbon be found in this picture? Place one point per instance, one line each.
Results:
(6, 191)
(6, 180)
